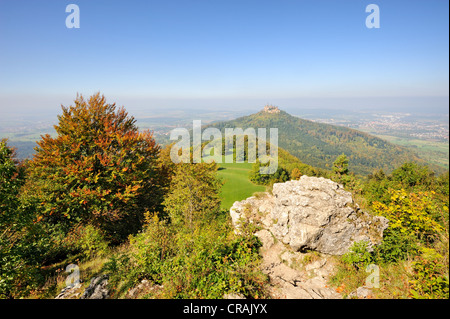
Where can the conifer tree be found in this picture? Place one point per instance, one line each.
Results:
(340, 165)
(194, 193)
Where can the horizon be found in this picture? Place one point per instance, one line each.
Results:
(228, 56)
(196, 110)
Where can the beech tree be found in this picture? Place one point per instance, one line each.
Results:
(99, 169)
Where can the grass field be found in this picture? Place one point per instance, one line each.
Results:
(431, 151)
(236, 186)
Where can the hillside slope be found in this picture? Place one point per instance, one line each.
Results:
(319, 144)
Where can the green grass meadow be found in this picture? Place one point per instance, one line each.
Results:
(237, 185)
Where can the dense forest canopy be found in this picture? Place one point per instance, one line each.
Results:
(319, 144)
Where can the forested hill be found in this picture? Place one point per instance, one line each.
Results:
(319, 144)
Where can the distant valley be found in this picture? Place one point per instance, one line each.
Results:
(426, 133)
(426, 136)
(319, 144)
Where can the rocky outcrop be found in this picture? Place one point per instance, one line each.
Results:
(311, 214)
(295, 275)
(302, 225)
(70, 292)
(97, 289)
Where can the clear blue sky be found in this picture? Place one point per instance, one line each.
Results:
(224, 53)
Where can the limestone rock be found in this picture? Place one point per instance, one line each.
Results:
(70, 292)
(291, 276)
(98, 288)
(311, 214)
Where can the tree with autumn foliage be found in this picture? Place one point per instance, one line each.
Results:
(98, 170)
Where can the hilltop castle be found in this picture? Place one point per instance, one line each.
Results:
(271, 109)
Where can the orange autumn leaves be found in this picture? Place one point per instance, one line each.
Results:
(98, 168)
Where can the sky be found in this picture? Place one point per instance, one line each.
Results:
(225, 54)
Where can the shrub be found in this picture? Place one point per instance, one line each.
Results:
(281, 175)
(412, 174)
(396, 246)
(86, 239)
(430, 278)
(208, 266)
(358, 255)
(205, 262)
(411, 213)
